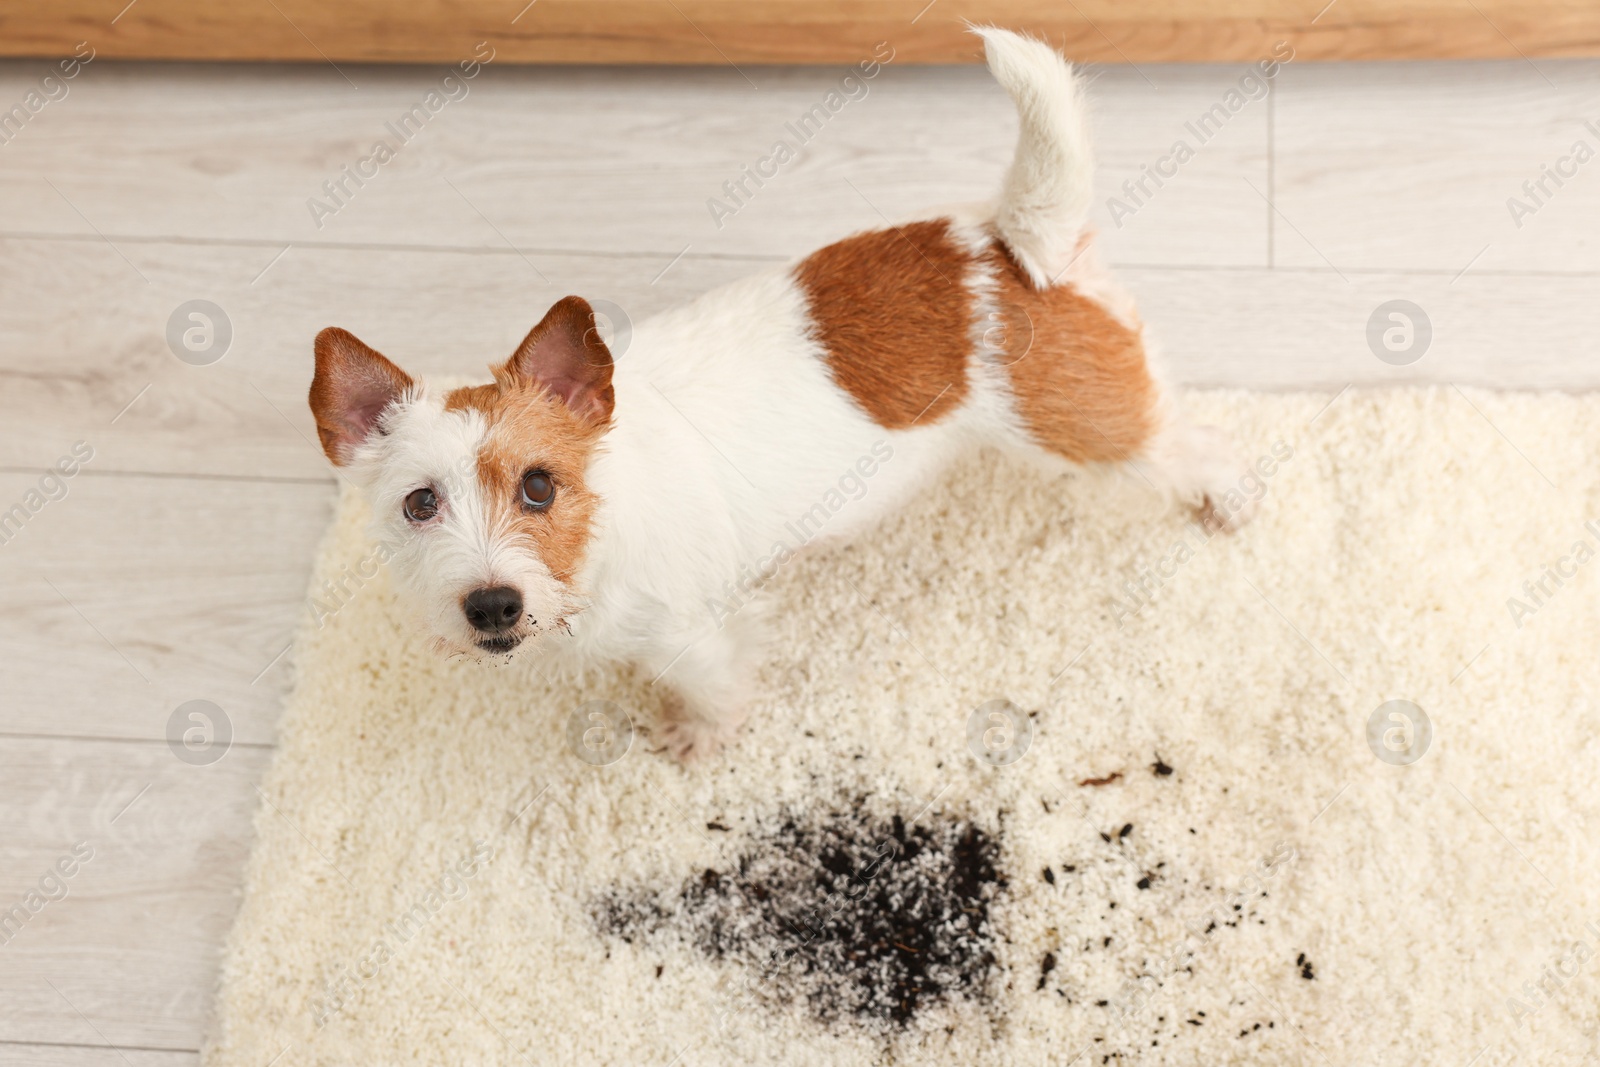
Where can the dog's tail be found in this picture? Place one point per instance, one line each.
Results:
(1050, 185)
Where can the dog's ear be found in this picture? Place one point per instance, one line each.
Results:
(565, 355)
(351, 387)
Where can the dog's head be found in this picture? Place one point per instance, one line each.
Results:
(478, 494)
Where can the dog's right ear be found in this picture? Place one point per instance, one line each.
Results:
(352, 386)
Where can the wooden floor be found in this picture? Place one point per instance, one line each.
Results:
(174, 567)
(753, 32)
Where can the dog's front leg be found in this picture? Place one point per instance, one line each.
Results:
(708, 683)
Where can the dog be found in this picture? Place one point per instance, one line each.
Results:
(622, 510)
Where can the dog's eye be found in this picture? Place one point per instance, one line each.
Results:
(538, 490)
(421, 505)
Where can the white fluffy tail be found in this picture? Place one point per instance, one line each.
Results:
(1051, 181)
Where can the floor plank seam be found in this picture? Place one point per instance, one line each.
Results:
(115, 1048)
(6, 735)
(193, 476)
(758, 259)
(382, 246)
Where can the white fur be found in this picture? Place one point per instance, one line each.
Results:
(732, 447)
(1051, 181)
(466, 546)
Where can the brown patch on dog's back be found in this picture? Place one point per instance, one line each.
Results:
(530, 429)
(893, 313)
(1079, 377)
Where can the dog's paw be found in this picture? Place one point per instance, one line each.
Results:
(1199, 466)
(1210, 476)
(692, 740)
(691, 736)
(1215, 515)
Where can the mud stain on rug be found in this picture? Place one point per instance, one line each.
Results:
(863, 919)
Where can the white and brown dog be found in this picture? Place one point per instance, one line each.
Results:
(625, 507)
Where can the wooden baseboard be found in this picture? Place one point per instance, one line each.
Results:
(742, 32)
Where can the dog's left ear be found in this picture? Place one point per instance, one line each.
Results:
(565, 355)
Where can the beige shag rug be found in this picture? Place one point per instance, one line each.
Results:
(1215, 848)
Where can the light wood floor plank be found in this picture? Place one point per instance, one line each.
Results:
(621, 161)
(1411, 166)
(129, 956)
(1308, 329)
(20, 1055)
(132, 595)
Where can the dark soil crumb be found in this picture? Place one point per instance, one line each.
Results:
(1305, 967)
(856, 916)
(1050, 876)
(1046, 965)
(1107, 780)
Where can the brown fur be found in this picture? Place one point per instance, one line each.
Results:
(1078, 374)
(564, 352)
(350, 388)
(550, 404)
(531, 429)
(893, 313)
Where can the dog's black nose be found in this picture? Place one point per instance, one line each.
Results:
(493, 610)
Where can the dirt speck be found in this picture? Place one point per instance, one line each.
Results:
(1046, 965)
